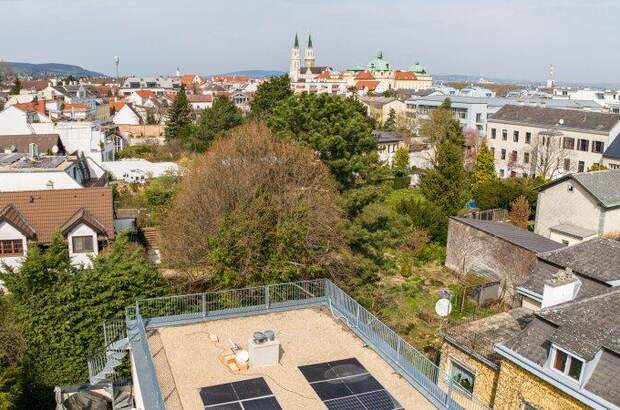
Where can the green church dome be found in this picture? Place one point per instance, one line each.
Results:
(379, 64)
(417, 68)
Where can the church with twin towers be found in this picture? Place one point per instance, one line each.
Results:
(296, 70)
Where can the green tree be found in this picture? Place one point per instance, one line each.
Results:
(501, 192)
(338, 129)
(442, 126)
(484, 168)
(17, 86)
(390, 122)
(400, 163)
(269, 94)
(445, 185)
(520, 212)
(62, 307)
(12, 349)
(179, 115)
(221, 117)
(597, 167)
(150, 117)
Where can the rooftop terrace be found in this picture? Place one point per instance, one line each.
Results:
(173, 356)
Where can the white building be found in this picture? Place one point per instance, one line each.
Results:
(578, 207)
(535, 141)
(137, 170)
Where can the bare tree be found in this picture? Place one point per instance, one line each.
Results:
(550, 150)
(6, 73)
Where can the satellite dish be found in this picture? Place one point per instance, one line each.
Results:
(55, 149)
(443, 307)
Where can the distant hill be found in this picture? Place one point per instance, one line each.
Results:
(52, 70)
(257, 73)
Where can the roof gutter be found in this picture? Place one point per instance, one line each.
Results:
(582, 395)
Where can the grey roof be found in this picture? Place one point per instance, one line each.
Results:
(513, 234)
(613, 150)
(20, 143)
(377, 102)
(597, 258)
(604, 186)
(550, 117)
(387, 136)
(573, 230)
(543, 272)
(583, 327)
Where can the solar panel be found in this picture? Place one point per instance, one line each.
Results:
(253, 394)
(347, 385)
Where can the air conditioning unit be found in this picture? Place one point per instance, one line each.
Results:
(264, 349)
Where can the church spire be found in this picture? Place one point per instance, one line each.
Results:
(296, 41)
(310, 40)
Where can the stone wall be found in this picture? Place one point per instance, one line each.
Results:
(469, 249)
(516, 386)
(486, 376)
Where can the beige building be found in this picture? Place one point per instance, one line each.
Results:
(579, 206)
(379, 107)
(549, 142)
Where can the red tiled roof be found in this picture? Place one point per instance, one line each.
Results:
(145, 93)
(198, 98)
(35, 106)
(47, 211)
(404, 75)
(371, 85)
(325, 75)
(364, 75)
(116, 105)
(75, 107)
(231, 78)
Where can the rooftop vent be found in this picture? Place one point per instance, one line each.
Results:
(562, 287)
(33, 150)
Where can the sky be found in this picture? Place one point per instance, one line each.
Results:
(513, 39)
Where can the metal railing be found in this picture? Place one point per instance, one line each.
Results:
(498, 215)
(422, 373)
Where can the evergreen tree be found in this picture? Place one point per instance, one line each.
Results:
(400, 163)
(484, 168)
(269, 94)
(445, 185)
(222, 116)
(339, 131)
(179, 115)
(61, 308)
(17, 86)
(442, 126)
(390, 122)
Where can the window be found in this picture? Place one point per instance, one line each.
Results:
(503, 154)
(514, 156)
(82, 244)
(566, 164)
(493, 133)
(528, 137)
(493, 151)
(583, 145)
(515, 136)
(478, 117)
(513, 174)
(597, 146)
(569, 143)
(12, 247)
(501, 173)
(525, 175)
(504, 135)
(568, 365)
(462, 376)
(581, 166)
(526, 157)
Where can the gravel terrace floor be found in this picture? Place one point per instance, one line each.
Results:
(187, 360)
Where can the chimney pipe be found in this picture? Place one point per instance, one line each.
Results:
(562, 287)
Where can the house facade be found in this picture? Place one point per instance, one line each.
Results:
(548, 142)
(580, 206)
(84, 218)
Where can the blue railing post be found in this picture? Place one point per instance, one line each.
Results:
(204, 305)
(267, 301)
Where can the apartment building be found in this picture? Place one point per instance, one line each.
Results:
(548, 142)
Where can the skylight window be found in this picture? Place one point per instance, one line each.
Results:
(567, 364)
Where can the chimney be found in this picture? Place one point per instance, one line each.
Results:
(33, 150)
(562, 287)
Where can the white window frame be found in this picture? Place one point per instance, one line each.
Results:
(569, 359)
(451, 362)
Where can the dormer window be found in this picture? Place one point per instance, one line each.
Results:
(567, 364)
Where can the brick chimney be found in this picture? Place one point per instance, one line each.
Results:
(562, 287)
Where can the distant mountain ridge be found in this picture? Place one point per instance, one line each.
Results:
(52, 70)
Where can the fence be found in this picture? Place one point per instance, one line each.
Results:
(497, 214)
(423, 374)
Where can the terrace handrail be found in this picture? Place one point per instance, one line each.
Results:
(417, 369)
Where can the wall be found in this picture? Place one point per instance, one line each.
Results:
(469, 249)
(558, 205)
(486, 376)
(7, 231)
(516, 386)
(141, 130)
(82, 258)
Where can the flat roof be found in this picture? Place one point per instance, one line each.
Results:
(186, 359)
